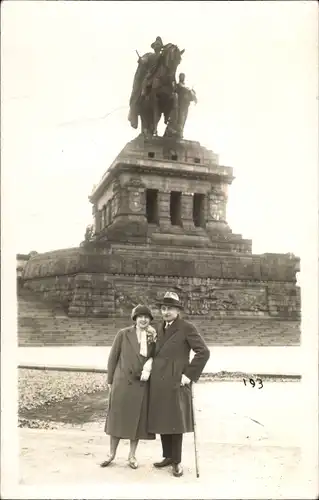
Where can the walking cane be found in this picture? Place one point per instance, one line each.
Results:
(195, 437)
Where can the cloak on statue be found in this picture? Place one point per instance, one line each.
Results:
(147, 65)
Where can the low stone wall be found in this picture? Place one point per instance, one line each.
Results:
(232, 299)
(105, 295)
(140, 260)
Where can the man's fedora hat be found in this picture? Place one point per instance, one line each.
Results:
(171, 299)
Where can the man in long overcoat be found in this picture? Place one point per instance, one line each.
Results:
(170, 403)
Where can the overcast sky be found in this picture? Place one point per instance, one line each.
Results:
(66, 65)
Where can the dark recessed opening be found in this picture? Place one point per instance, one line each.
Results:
(174, 157)
(99, 221)
(175, 208)
(199, 210)
(197, 160)
(103, 217)
(152, 206)
(151, 154)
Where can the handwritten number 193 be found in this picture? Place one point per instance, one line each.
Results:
(253, 383)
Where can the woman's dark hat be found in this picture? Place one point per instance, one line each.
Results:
(158, 41)
(141, 310)
(171, 299)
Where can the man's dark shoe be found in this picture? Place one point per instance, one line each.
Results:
(164, 463)
(177, 470)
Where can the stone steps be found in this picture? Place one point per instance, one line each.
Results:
(215, 333)
(42, 323)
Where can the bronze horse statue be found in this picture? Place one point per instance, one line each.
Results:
(157, 95)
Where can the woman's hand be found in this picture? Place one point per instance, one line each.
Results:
(148, 365)
(145, 376)
(147, 368)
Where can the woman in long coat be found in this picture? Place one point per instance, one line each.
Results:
(129, 366)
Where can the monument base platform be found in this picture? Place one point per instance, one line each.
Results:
(160, 224)
(110, 282)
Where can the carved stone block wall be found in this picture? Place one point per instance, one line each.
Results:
(216, 213)
(284, 300)
(59, 288)
(93, 296)
(133, 199)
(89, 295)
(278, 267)
(164, 210)
(199, 297)
(106, 295)
(211, 297)
(154, 261)
(187, 211)
(86, 283)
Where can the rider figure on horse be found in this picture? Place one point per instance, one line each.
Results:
(156, 93)
(146, 67)
(151, 60)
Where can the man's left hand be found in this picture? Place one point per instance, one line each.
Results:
(185, 380)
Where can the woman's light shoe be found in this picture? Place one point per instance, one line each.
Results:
(107, 462)
(132, 462)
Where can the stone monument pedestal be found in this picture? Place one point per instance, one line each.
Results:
(160, 223)
(166, 192)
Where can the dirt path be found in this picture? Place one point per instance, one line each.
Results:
(248, 442)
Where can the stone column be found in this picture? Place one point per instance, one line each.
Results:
(187, 211)
(95, 214)
(115, 201)
(164, 216)
(98, 217)
(115, 205)
(216, 209)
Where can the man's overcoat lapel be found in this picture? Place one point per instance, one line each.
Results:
(166, 333)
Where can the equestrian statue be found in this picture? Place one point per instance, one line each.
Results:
(156, 93)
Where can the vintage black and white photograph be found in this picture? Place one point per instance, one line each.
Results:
(160, 209)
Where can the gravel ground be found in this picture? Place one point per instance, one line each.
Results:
(40, 387)
(49, 399)
(45, 389)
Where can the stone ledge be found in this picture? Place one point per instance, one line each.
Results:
(274, 361)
